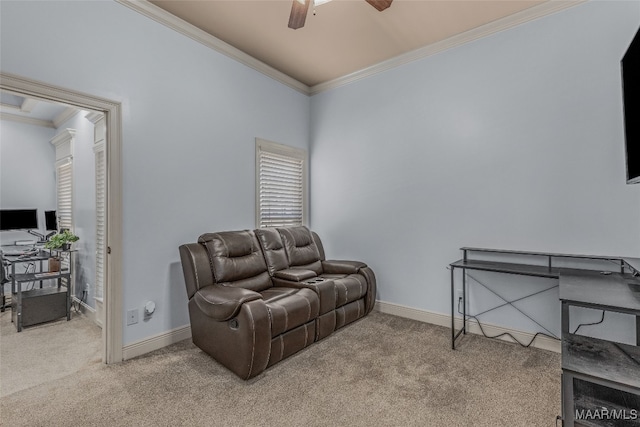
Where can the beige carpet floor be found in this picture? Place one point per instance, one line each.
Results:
(46, 352)
(380, 371)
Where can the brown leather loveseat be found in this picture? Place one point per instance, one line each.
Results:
(257, 297)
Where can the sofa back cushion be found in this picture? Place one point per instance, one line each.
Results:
(273, 249)
(237, 260)
(301, 249)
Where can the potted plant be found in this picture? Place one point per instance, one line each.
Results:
(59, 242)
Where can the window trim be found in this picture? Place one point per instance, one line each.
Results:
(263, 145)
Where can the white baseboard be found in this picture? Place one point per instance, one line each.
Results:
(472, 326)
(88, 311)
(99, 311)
(175, 335)
(156, 342)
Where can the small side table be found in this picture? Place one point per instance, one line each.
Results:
(40, 305)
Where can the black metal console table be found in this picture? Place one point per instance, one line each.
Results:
(596, 373)
(549, 270)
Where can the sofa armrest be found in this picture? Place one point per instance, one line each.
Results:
(223, 302)
(295, 274)
(342, 267)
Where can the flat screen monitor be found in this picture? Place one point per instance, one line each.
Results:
(630, 65)
(18, 219)
(51, 220)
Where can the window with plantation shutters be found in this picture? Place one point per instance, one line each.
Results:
(280, 185)
(101, 217)
(64, 210)
(64, 186)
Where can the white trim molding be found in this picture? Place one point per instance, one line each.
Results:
(160, 15)
(27, 120)
(173, 336)
(64, 116)
(64, 145)
(22, 86)
(535, 12)
(156, 342)
(440, 319)
(88, 311)
(28, 104)
(165, 18)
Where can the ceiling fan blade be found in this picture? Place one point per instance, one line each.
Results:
(380, 4)
(298, 14)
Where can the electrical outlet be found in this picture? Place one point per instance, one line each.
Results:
(132, 317)
(86, 287)
(459, 293)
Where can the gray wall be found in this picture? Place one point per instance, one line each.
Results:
(513, 141)
(190, 118)
(27, 173)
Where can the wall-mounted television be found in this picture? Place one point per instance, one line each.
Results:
(630, 66)
(50, 220)
(18, 219)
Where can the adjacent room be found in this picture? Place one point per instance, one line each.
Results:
(351, 212)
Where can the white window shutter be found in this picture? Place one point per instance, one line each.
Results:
(280, 185)
(64, 186)
(101, 216)
(64, 211)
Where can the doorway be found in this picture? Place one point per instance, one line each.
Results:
(112, 245)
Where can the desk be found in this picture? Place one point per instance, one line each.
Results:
(549, 270)
(11, 261)
(37, 305)
(596, 373)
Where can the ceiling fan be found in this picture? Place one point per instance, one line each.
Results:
(299, 10)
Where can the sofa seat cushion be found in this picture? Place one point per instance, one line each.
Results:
(348, 288)
(276, 293)
(332, 276)
(289, 308)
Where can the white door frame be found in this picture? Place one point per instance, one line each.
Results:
(112, 328)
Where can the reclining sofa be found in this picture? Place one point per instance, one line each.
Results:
(257, 297)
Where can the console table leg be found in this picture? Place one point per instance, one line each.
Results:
(565, 319)
(464, 301)
(638, 330)
(453, 323)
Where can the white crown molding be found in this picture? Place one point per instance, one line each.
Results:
(160, 15)
(94, 117)
(26, 120)
(154, 12)
(65, 115)
(535, 12)
(66, 135)
(28, 104)
(9, 106)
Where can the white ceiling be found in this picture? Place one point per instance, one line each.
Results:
(344, 36)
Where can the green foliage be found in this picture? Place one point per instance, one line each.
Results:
(57, 241)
